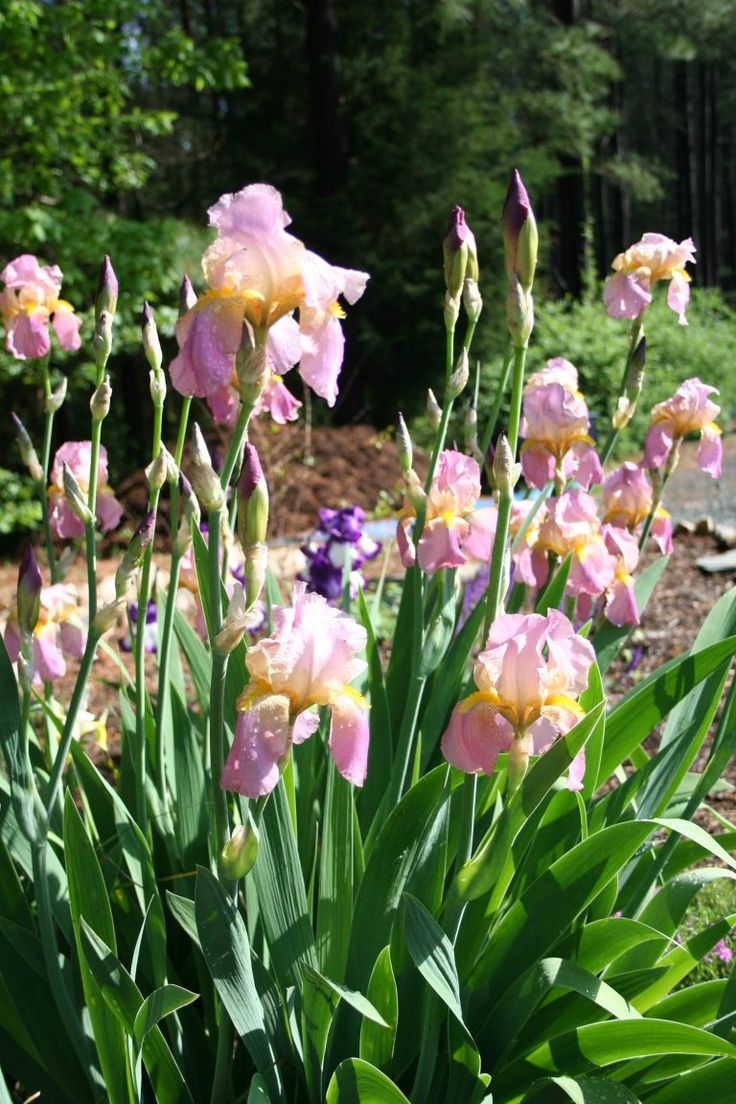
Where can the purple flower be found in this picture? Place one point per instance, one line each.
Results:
(722, 951)
(150, 629)
(339, 536)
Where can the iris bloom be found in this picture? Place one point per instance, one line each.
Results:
(28, 302)
(58, 633)
(529, 677)
(259, 275)
(621, 608)
(628, 293)
(627, 502)
(65, 525)
(688, 411)
(309, 660)
(557, 446)
(454, 532)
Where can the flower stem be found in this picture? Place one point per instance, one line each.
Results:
(634, 336)
(80, 686)
(500, 392)
(494, 597)
(48, 429)
(91, 527)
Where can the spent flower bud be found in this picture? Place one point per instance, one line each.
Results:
(204, 478)
(239, 853)
(28, 454)
(151, 343)
(519, 313)
(460, 376)
(107, 617)
(99, 404)
(102, 339)
(252, 369)
(134, 553)
(472, 300)
(157, 387)
(75, 498)
(256, 568)
(403, 442)
(505, 472)
(415, 491)
(29, 593)
(452, 310)
(434, 410)
(55, 400)
(520, 237)
(187, 296)
(107, 290)
(252, 499)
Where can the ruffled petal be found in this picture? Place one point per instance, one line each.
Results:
(28, 335)
(626, 296)
(658, 445)
(349, 738)
(537, 464)
(678, 296)
(710, 452)
(323, 345)
(261, 745)
(478, 544)
(109, 511)
(66, 327)
(441, 544)
(475, 737)
(48, 659)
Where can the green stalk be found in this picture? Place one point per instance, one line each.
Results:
(166, 635)
(634, 336)
(140, 638)
(494, 596)
(48, 429)
(91, 526)
(500, 392)
(80, 685)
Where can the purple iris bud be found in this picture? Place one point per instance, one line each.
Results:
(456, 231)
(29, 592)
(107, 290)
(187, 296)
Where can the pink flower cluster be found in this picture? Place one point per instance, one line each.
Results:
(309, 660)
(529, 677)
(258, 276)
(690, 410)
(77, 456)
(28, 302)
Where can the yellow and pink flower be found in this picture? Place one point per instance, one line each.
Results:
(29, 301)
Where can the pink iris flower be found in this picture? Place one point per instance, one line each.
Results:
(556, 370)
(571, 526)
(65, 525)
(529, 677)
(621, 608)
(309, 660)
(28, 302)
(557, 446)
(58, 633)
(627, 502)
(454, 533)
(690, 410)
(627, 293)
(259, 275)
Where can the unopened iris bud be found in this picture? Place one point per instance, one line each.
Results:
(204, 478)
(520, 237)
(460, 376)
(102, 339)
(403, 442)
(256, 568)
(190, 517)
(252, 499)
(434, 410)
(55, 400)
(187, 296)
(415, 491)
(505, 472)
(28, 454)
(470, 435)
(156, 472)
(455, 251)
(519, 313)
(75, 498)
(99, 404)
(134, 553)
(29, 593)
(107, 290)
(239, 853)
(151, 343)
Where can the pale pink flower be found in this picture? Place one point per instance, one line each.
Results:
(58, 633)
(529, 677)
(455, 532)
(28, 302)
(530, 561)
(259, 275)
(690, 410)
(309, 660)
(627, 293)
(77, 455)
(627, 501)
(557, 446)
(557, 370)
(571, 527)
